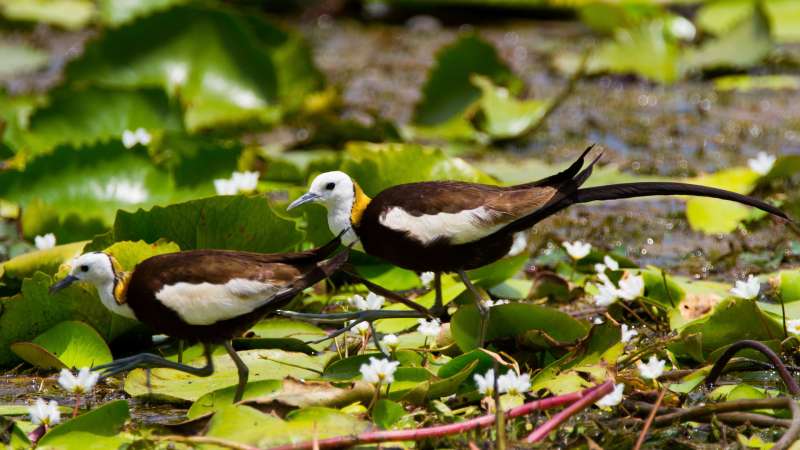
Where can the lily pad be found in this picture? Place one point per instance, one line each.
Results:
(719, 216)
(47, 261)
(386, 413)
(69, 345)
(448, 91)
(287, 329)
(215, 400)
(263, 364)
(228, 222)
(503, 116)
(514, 319)
(98, 429)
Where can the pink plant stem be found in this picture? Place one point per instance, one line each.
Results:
(440, 430)
(581, 404)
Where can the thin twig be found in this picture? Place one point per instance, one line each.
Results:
(793, 432)
(649, 421)
(780, 367)
(713, 408)
(541, 432)
(440, 430)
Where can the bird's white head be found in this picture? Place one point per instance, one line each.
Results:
(96, 268)
(344, 199)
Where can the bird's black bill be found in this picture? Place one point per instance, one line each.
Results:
(305, 198)
(62, 284)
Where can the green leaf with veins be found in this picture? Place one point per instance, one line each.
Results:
(217, 63)
(98, 429)
(448, 91)
(70, 344)
(81, 117)
(503, 116)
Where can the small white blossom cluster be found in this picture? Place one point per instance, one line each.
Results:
(511, 383)
(238, 182)
(139, 136)
(45, 242)
(80, 384)
(577, 250)
(379, 371)
(519, 245)
(612, 399)
(630, 287)
(430, 328)
(360, 329)
(391, 341)
(747, 289)
(492, 303)
(762, 163)
(371, 302)
(628, 333)
(793, 326)
(426, 278)
(45, 413)
(652, 369)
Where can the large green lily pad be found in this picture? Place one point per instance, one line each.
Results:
(70, 344)
(98, 429)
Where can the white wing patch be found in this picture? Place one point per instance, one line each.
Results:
(459, 228)
(207, 303)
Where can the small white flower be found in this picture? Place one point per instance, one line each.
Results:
(762, 163)
(45, 242)
(611, 263)
(426, 278)
(44, 413)
(360, 329)
(577, 250)
(492, 303)
(628, 333)
(793, 326)
(131, 138)
(612, 399)
(372, 302)
(600, 268)
(429, 328)
(653, 369)
(519, 245)
(747, 289)
(238, 182)
(682, 28)
(485, 383)
(391, 341)
(81, 384)
(514, 384)
(598, 320)
(224, 186)
(631, 286)
(606, 295)
(379, 371)
(245, 181)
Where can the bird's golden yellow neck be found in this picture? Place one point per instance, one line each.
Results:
(360, 203)
(121, 280)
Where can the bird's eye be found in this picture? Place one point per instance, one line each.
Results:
(84, 268)
(330, 186)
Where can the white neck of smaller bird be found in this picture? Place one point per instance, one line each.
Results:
(106, 292)
(339, 220)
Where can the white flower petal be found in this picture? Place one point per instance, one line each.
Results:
(612, 399)
(652, 369)
(577, 250)
(45, 242)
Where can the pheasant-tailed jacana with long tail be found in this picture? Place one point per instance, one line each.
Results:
(210, 296)
(453, 226)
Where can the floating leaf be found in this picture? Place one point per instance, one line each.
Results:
(120, 12)
(221, 398)
(386, 413)
(98, 429)
(228, 222)
(223, 67)
(504, 116)
(291, 330)
(70, 344)
(749, 83)
(263, 364)
(47, 261)
(720, 216)
(265, 431)
(745, 45)
(448, 91)
(71, 14)
(34, 311)
(301, 394)
(514, 319)
(81, 117)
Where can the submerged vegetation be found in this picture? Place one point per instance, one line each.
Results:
(151, 127)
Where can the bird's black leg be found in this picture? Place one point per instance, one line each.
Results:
(377, 341)
(438, 306)
(479, 302)
(354, 319)
(241, 367)
(149, 360)
(180, 350)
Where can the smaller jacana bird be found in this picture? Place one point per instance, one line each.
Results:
(210, 296)
(454, 226)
